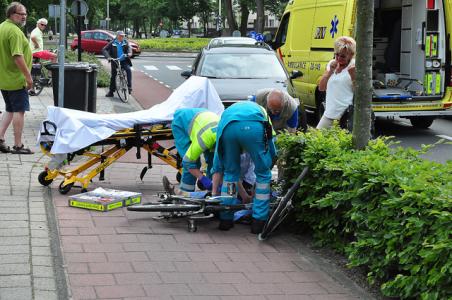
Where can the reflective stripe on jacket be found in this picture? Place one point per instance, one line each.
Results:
(203, 133)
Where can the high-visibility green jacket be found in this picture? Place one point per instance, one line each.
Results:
(203, 133)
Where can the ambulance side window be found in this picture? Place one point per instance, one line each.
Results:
(280, 38)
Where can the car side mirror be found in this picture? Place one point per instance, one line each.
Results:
(185, 74)
(296, 74)
(108, 40)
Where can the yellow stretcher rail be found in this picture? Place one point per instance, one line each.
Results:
(140, 136)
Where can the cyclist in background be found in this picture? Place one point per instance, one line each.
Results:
(119, 48)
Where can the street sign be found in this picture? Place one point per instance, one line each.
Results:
(83, 8)
(54, 11)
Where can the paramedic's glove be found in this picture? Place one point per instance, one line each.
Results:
(206, 182)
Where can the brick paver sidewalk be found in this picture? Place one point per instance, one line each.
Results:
(129, 255)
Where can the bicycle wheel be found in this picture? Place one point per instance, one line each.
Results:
(121, 86)
(283, 209)
(162, 207)
(38, 85)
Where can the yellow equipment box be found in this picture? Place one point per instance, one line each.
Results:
(102, 199)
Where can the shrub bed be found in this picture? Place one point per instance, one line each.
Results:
(384, 207)
(173, 44)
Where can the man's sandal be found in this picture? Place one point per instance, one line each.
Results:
(3, 147)
(21, 150)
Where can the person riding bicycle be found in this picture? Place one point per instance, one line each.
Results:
(244, 127)
(119, 48)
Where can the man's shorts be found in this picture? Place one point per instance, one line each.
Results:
(16, 101)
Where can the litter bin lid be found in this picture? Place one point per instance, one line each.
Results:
(72, 67)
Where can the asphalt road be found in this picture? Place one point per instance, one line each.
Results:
(166, 71)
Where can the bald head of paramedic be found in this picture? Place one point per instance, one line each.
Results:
(281, 108)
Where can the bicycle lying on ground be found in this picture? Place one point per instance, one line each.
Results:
(173, 206)
(194, 209)
(121, 81)
(282, 208)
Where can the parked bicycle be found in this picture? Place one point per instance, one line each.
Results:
(121, 81)
(39, 73)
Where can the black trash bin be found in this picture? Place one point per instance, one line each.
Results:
(76, 85)
(92, 88)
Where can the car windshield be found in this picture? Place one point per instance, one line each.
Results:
(242, 65)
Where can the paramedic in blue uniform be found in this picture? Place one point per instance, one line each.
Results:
(194, 131)
(244, 127)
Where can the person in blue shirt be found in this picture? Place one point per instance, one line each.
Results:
(244, 127)
(119, 48)
(280, 106)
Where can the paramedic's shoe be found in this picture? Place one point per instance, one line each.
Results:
(169, 188)
(109, 94)
(257, 226)
(130, 91)
(225, 225)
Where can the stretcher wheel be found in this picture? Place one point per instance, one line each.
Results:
(178, 177)
(192, 226)
(42, 178)
(65, 189)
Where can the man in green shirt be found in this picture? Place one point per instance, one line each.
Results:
(15, 77)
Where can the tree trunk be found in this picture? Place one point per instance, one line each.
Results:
(189, 27)
(244, 18)
(260, 12)
(363, 83)
(230, 15)
(205, 20)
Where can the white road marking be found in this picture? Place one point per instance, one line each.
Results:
(173, 68)
(151, 68)
(446, 137)
(189, 66)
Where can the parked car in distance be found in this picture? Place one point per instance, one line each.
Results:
(94, 40)
(239, 66)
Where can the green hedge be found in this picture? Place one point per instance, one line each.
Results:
(173, 44)
(103, 77)
(384, 207)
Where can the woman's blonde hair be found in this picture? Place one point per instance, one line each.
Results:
(345, 42)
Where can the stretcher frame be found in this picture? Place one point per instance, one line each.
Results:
(144, 136)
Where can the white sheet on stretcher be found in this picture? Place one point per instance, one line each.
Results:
(78, 129)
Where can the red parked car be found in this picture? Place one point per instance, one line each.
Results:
(94, 40)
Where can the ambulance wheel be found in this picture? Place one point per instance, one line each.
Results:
(421, 122)
(42, 178)
(65, 189)
(84, 190)
(178, 177)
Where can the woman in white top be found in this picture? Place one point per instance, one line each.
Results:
(338, 81)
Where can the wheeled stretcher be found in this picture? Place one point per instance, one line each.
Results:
(139, 137)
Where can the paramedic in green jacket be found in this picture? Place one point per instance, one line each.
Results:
(244, 127)
(194, 131)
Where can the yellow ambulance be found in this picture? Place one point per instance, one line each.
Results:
(411, 54)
